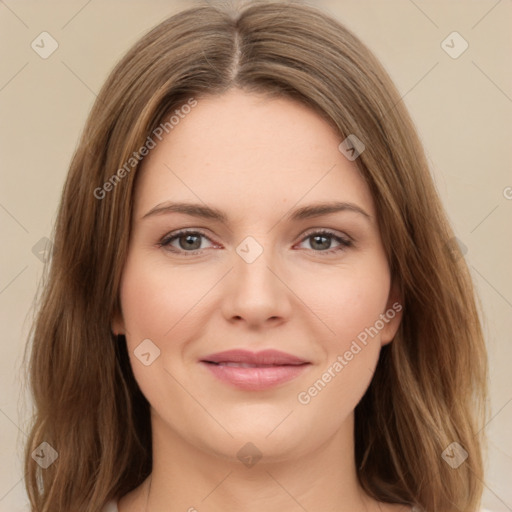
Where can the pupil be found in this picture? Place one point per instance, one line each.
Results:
(325, 245)
(190, 243)
(193, 242)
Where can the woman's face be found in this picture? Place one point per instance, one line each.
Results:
(262, 266)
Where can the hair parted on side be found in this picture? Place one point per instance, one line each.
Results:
(430, 385)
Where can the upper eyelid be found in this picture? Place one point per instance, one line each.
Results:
(330, 231)
(309, 232)
(185, 231)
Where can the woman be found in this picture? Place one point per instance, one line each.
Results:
(254, 301)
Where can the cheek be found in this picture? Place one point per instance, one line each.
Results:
(158, 303)
(350, 303)
(355, 303)
(346, 300)
(157, 297)
(333, 394)
(353, 311)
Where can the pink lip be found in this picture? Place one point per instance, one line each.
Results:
(268, 368)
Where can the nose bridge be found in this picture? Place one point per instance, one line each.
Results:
(256, 292)
(252, 262)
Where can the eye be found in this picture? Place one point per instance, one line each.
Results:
(322, 241)
(190, 242)
(184, 241)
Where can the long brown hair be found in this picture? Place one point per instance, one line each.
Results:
(430, 385)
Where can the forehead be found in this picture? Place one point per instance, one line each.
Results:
(247, 150)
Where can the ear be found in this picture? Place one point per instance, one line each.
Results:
(117, 325)
(392, 316)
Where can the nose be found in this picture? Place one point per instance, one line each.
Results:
(256, 292)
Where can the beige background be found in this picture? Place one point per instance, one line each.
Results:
(462, 107)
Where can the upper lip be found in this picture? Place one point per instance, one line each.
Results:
(265, 357)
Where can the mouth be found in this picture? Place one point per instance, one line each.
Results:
(254, 371)
(249, 365)
(264, 358)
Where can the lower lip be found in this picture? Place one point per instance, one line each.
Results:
(258, 378)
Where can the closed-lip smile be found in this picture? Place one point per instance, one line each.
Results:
(253, 371)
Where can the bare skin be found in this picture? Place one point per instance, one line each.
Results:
(307, 294)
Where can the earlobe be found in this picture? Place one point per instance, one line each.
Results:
(392, 317)
(117, 325)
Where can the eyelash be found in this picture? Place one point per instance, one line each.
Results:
(166, 241)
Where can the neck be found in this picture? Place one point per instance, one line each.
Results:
(188, 478)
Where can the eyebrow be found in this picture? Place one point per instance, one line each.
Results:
(305, 212)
